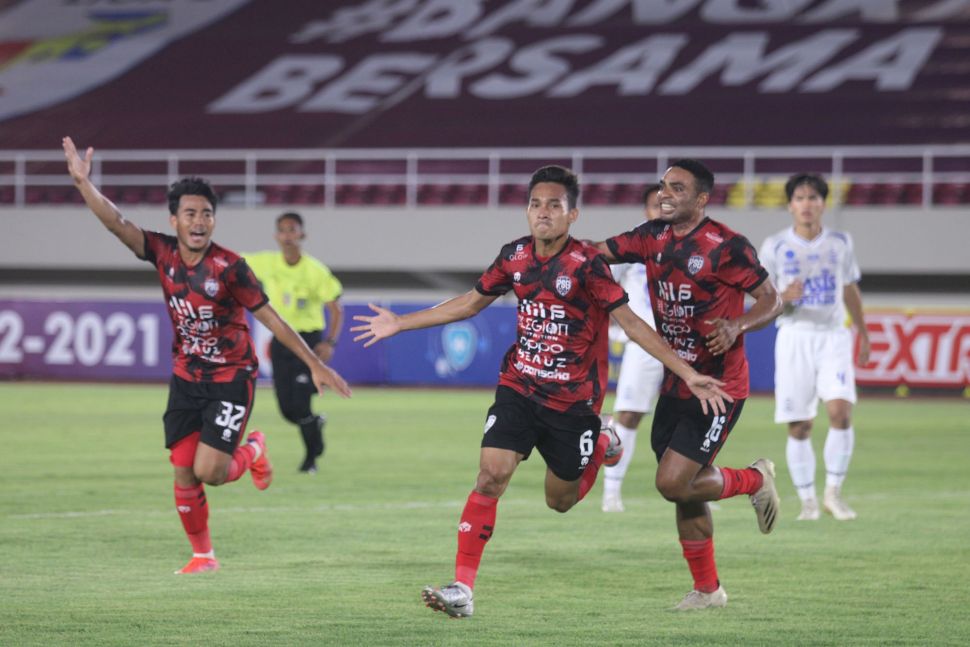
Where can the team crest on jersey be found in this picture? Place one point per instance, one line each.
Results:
(563, 285)
(517, 277)
(211, 287)
(695, 263)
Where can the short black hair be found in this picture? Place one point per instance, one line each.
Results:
(808, 179)
(703, 175)
(190, 186)
(291, 215)
(649, 190)
(558, 175)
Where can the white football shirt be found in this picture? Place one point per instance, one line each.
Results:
(825, 266)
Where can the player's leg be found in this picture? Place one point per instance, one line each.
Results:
(508, 439)
(182, 422)
(839, 445)
(796, 404)
(220, 457)
(837, 389)
(294, 390)
(475, 528)
(636, 391)
(574, 448)
(686, 441)
(800, 457)
(695, 530)
(689, 485)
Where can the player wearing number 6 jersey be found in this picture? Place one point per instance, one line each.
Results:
(552, 380)
(207, 290)
(699, 272)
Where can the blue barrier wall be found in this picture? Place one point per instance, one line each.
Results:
(124, 340)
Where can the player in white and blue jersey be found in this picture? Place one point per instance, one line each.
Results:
(817, 275)
(641, 374)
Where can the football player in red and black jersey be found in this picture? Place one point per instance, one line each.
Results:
(699, 272)
(553, 379)
(207, 290)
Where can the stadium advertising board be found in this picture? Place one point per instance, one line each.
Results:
(395, 73)
(120, 340)
(921, 349)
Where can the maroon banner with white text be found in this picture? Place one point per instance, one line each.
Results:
(446, 73)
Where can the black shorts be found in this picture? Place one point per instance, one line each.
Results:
(565, 441)
(289, 371)
(682, 425)
(220, 410)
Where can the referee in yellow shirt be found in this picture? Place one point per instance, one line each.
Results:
(299, 287)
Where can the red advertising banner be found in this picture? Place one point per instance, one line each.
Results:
(918, 348)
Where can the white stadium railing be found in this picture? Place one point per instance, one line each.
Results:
(246, 177)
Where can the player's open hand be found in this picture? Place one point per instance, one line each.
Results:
(376, 327)
(708, 390)
(79, 167)
(324, 376)
(725, 333)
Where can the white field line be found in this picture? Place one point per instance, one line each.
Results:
(406, 505)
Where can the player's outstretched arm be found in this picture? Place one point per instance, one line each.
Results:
(322, 375)
(767, 306)
(386, 324)
(705, 388)
(79, 168)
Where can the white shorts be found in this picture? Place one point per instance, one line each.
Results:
(811, 365)
(639, 383)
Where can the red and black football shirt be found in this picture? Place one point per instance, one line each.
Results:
(695, 278)
(560, 357)
(207, 304)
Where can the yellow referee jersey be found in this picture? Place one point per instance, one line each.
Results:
(297, 292)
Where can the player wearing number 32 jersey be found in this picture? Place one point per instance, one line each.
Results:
(699, 272)
(552, 379)
(207, 291)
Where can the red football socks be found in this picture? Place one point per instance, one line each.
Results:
(242, 458)
(746, 481)
(474, 531)
(194, 513)
(700, 560)
(588, 479)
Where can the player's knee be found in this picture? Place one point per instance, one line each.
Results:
(211, 476)
(670, 489)
(629, 419)
(840, 420)
(800, 430)
(560, 504)
(491, 483)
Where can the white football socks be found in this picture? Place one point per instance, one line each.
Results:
(613, 476)
(801, 466)
(838, 452)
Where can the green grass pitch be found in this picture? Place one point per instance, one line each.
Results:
(89, 537)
